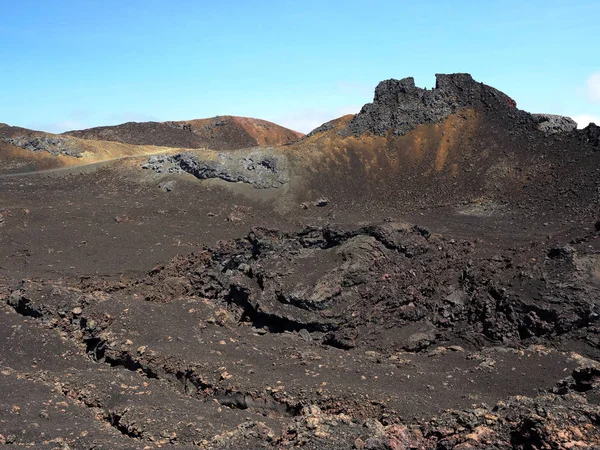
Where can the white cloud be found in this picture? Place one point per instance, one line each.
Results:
(584, 120)
(593, 87)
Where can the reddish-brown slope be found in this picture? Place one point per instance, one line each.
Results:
(220, 133)
(224, 132)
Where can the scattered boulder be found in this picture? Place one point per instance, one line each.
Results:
(323, 201)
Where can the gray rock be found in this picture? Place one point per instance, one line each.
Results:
(551, 123)
(52, 145)
(167, 186)
(259, 167)
(162, 164)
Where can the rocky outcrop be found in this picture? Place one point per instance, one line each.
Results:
(590, 135)
(335, 283)
(54, 146)
(552, 123)
(260, 168)
(399, 105)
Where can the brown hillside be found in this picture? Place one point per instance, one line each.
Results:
(225, 132)
(23, 150)
(219, 133)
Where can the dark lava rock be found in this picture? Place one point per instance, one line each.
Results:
(590, 134)
(325, 127)
(399, 105)
(322, 202)
(355, 284)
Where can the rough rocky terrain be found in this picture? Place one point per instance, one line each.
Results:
(423, 275)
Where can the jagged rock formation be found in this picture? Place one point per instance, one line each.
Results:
(399, 105)
(335, 282)
(590, 135)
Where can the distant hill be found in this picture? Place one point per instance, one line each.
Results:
(219, 133)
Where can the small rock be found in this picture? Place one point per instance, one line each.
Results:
(311, 410)
(323, 201)
(305, 335)
(312, 422)
(560, 252)
(77, 311)
(456, 348)
(374, 426)
(438, 351)
(359, 444)
(167, 186)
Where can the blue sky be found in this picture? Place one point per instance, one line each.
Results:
(80, 63)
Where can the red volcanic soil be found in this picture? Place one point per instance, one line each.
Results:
(241, 132)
